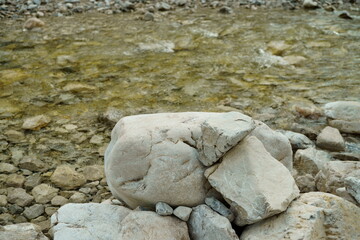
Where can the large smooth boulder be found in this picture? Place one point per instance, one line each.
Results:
(105, 221)
(206, 224)
(275, 143)
(334, 173)
(314, 215)
(156, 157)
(22, 231)
(254, 183)
(344, 115)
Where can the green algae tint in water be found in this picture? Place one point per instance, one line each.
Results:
(182, 62)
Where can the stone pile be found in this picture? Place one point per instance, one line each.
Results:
(196, 176)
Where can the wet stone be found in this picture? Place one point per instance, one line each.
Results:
(163, 209)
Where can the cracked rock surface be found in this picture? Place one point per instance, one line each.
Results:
(156, 157)
(314, 215)
(254, 183)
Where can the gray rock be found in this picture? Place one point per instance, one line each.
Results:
(275, 143)
(222, 133)
(206, 224)
(298, 140)
(310, 4)
(67, 178)
(34, 211)
(148, 16)
(19, 196)
(32, 163)
(15, 209)
(6, 218)
(78, 197)
(3, 200)
(32, 181)
(106, 221)
(226, 10)
(113, 115)
(163, 209)
(22, 231)
(219, 207)
(7, 168)
(183, 213)
(181, 3)
(341, 192)
(331, 139)
(59, 201)
(37, 122)
(352, 185)
(43, 193)
(14, 136)
(344, 115)
(93, 172)
(310, 161)
(254, 183)
(15, 180)
(306, 183)
(155, 157)
(334, 173)
(162, 6)
(314, 215)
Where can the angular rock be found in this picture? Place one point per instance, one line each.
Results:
(94, 172)
(15, 180)
(19, 196)
(330, 139)
(67, 178)
(28, 231)
(341, 192)
(32, 164)
(78, 197)
(298, 140)
(352, 185)
(310, 161)
(254, 183)
(206, 224)
(155, 158)
(222, 133)
(334, 173)
(314, 215)
(305, 183)
(106, 221)
(37, 122)
(147, 225)
(32, 181)
(219, 207)
(183, 213)
(43, 193)
(275, 143)
(88, 221)
(34, 211)
(163, 209)
(344, 115)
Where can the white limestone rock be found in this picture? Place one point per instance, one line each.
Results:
(297, 140)
(156, 157)
(330, 139)
(334, 173)
(22, 231)
(219, 134)
(314, 215)
(147, 225)
(310, 161)
(344, 115)
(88, 221)
(275, 143)
(254, 183)
(352, 185)
(206, 224)
(183, 213)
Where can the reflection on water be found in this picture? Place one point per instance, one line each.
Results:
(184, 62)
